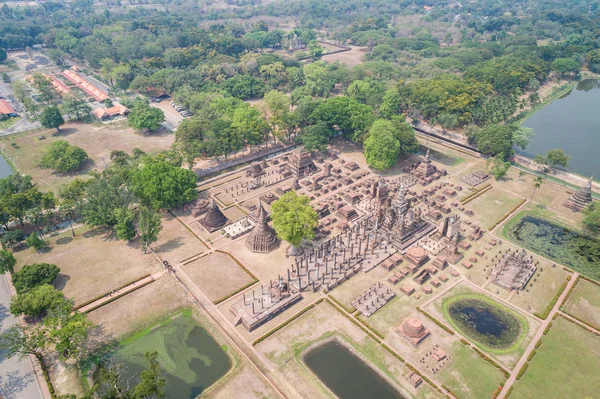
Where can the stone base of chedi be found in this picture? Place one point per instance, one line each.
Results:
(581, 198)
(413, 330)
(214, 218)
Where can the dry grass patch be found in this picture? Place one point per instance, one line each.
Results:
(175, 242)
(584, 303)
(244, 383)
(97, 141)
(217, 275)
(91, 263)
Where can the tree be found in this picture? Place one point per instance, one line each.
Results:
(392, 104)
(105, 194)
(144, 117)
(37, 301)
(565, 65)
(315, 50)
(346, 114)
(25, 340)
(162, 185)
(125, 227)
(3, 55)
(152, 382)
(537, 183)
(499, 167)
(31, 276)
(591, 217)
(56, 55)
(315, 137)
(12, 238)
(7, 261)
(68, 330)
(294, 219)
(74, 105)
(249, 125)
(496, 140)
(150, 225)
(35, 241)
(51, 118)
(557, 157)
(522, 137)
(381, 147)
(63, 157)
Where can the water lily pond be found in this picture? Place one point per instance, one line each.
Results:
(484, 321)
(191, 359)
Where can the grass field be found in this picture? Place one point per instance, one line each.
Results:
(97, 141)
(565, 366)
(584, 303)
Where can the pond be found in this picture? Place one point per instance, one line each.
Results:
(562, 245)
(5, 168)
(571, 123)
(483, 321)
(191, 359)
(346, 375)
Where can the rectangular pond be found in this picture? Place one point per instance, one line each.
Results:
(191, 359)
(5, 168)
(346, 375)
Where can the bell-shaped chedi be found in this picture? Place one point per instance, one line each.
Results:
(263, 238)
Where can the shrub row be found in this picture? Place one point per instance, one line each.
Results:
(522, 371)
(492, 362)
(531, 355)
(114, 298)
(509, 392)
(47, 378)
(353, 320)
(590, 280)
(513, 210)
(107, 293)
(548, 328)
(397, 356)
(226, 297)
(546, 311)
(465, 342)
(239, 264)
(450, 391)
(538, 344)
(570, 292)
(584, 323)
(497, 392)
(380, 335)
(285, 323)
(350, 310)
(476, 194)
(430, 317)
(190, 230)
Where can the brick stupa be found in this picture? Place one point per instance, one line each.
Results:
(425, 168)
(413, 330)
(581, 198)
(263, 238)
(214, 218)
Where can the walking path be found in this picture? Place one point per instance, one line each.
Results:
(540, 332)
(17, 376)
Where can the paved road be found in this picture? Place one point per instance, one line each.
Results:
(16, 376)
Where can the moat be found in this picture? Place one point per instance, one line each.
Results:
(571, 123)
(347, 376)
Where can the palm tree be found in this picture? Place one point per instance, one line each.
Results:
(537, 183)
(521, 174)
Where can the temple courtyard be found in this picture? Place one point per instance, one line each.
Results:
(395, 256)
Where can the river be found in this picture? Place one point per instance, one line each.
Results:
(572, 123)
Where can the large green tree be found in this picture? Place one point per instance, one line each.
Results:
(63, 157)
(496, 140)
(7, 261)
(37, 301)
(294, 219)
(51, 118)
(591, 217)
(150, 226)
(31, 276)
(162, 185)
(381, 147)
(144, 117)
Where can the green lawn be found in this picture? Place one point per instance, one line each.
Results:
(584, 303)
(565, 366)
(468, 375)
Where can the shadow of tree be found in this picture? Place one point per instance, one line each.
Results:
(12, 384)
(64, 240)
(170, 245)
(61, 281)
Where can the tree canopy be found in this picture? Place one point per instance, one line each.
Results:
(63, 157)
(144, 117)
(31, 276)
(294, 219)
(51, 118)
(164, 186)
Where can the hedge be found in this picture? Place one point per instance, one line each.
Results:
(239, 264)
(430, 317)
(226, 297)
(492, 362)
(427, 380)
(582, 322)
(96, 298)
(590, 280)
(47, 378)
(465, 342)
(450, 391)
(570, 291)
(513, 210)
(475, 192)
(546, 312)
(285, 323)
(471, 197)
(522, 371)
(353, 320)
(397, 356)
(350, 310)
(509, 392)
(547, 328)
(380, 335)
(114, 298)
(538, 344)
(497, 392)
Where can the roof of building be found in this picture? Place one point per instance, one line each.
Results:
(90, 89)
(5, 107)
(118, 109)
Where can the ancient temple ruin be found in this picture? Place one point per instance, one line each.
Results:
(581, 198)
(300, 163)
(263, 238)
(514, 270)
(425, 168)
(214, 218)
(413, 330)
(403, 225)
